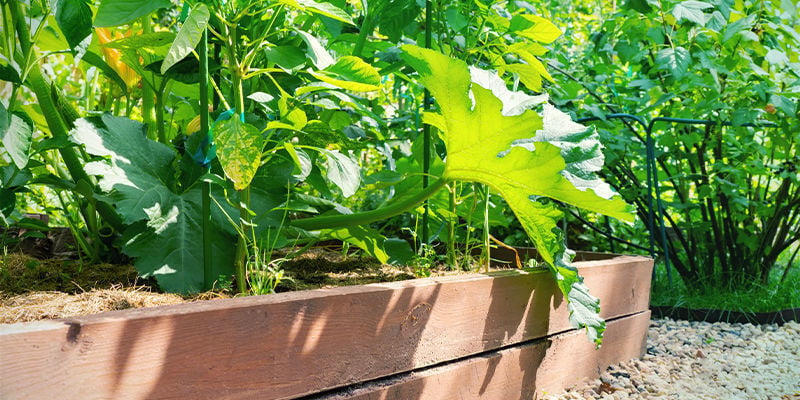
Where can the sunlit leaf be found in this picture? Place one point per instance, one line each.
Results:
(387, 251)
(316, 51)
(691, 10)
(188, 37)
(323, 8)
(118, 12)
(342, 171)
(239, 147)
(776, 57)
(535, 28)
(351, 73)
(514, 102)
(480, 147)
(16, 134)
(676, 61)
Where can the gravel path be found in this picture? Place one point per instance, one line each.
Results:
(701, 360)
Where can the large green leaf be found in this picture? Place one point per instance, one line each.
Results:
(239, 147)
(691, 10)
(535, 28)
(351, 73)
(165, 231)
(393, 16)
(137, 168)
(342, 171)
(316, 51)
(324, 8)
(387, 251)
(143, 41)
(118, 12)
(168, 245)
(188, 37)
(483, 146)
(16, 134)
(74, 18)
(676, 60)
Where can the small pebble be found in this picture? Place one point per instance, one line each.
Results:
(701, 360)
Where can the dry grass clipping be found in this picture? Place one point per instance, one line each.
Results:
(50, 305)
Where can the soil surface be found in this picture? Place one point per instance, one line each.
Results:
(701, 360)
(33, 289)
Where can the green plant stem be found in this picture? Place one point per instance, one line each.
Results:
(244, 195)
(242, 247)
(148, 94)
(159, 108)
(367, 26)
(486, 244)
(366, 217)
(451, 229)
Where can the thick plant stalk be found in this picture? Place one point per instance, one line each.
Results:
(242, 254)
(148, 95)
(366, 28)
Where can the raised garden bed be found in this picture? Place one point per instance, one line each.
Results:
(501, 335)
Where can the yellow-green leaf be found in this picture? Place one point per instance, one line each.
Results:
(519, 153)
(351, 73)
(535, 28)
(239, 147)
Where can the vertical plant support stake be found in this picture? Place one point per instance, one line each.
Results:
(426, 129)
(208, 279)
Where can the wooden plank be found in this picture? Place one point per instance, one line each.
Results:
(525, 371)
(294, 344)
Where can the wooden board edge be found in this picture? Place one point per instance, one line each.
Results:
(526, 371)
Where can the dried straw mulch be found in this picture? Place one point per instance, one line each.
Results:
(50, 305)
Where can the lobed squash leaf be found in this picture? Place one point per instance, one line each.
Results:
(164, 230)
(485, 145)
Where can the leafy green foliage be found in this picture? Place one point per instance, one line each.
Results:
(239, 147)
(480, 147)
(188, 37)
(16, 135)
(322, 108)
(74, 18)
(165, 223)
(118, 12)
(691, 10)
(729, 191)
(351, 73)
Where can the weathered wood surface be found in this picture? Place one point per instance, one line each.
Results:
(525, 371)
(294, 344)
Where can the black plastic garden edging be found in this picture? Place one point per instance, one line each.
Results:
(738, 317)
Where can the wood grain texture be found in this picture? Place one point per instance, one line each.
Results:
(525, 371)
(294, 344)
